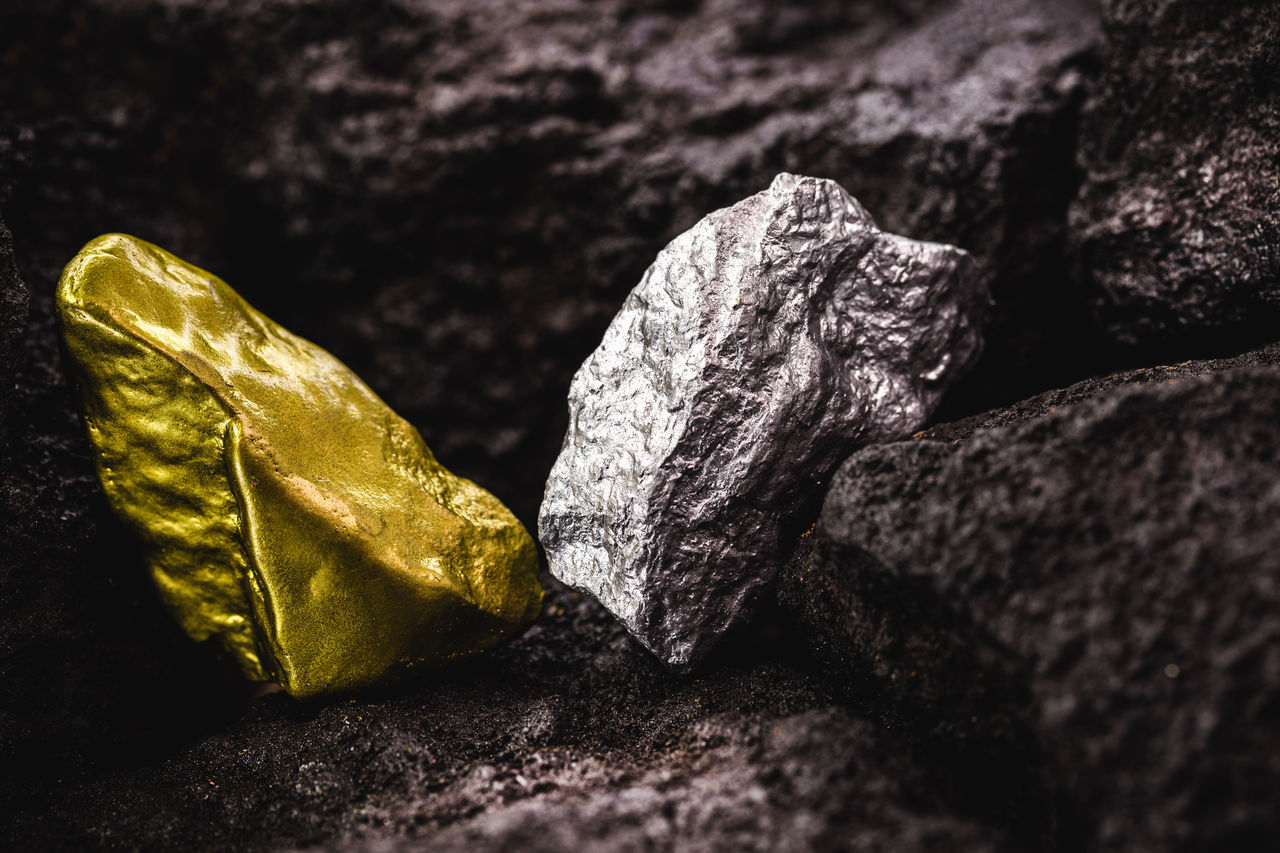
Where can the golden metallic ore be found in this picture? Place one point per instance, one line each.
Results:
(286, 512)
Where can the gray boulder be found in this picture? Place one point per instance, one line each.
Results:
(761, 347)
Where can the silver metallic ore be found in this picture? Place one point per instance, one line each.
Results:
(762, 347)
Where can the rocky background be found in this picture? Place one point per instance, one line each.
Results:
(1049, 622)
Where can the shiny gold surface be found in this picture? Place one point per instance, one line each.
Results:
(285, 510)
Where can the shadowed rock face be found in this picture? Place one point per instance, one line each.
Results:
(14, 301)
(1119, 550)
(1177, 223)
(760, 348)
(741, 789)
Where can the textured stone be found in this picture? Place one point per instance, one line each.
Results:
(286, 512)
(760, 348)
(777, 788)
(1177, 223)
(313, 148)
(14, 301)
(1112, 549)
(307, 151)
(454, 197)
(569, 737)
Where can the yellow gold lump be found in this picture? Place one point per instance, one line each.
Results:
(285, 511)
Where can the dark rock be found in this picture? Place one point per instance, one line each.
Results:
(899, 652)
(1113, 548)
(743, 785)
(761, 347)
(1050, 401)
(14, 303)
(1177, 224)
(454, 198)
(572, 735)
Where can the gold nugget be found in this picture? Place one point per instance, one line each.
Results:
(285, 511)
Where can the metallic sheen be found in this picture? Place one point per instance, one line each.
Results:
(286, 512)
(762, 347)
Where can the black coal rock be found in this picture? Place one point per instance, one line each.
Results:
(1085, 587)
(748, 787)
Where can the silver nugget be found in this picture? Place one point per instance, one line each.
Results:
(762, 347)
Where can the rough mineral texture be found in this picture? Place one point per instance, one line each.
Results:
(466, 190)
(1084, 589)
(571, 736)
(286, 513)
(454, 197)
(761, 347)
(14, 301)
(1177, 224)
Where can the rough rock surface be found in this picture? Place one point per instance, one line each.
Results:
(761, 347)
(1049, 401)
(14, 302)
(744, 791)
(1177, 226)
(572, 736)
(1086, 588)
(454, 197)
